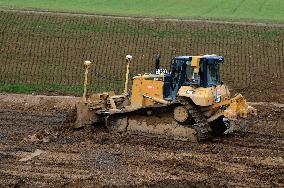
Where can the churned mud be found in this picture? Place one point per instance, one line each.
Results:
(39, 148)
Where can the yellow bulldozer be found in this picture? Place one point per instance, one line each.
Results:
(189, 102)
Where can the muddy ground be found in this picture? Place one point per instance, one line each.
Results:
(38, 149)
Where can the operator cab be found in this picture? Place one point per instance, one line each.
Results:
(199, 71)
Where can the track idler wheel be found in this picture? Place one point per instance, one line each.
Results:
(181, 114)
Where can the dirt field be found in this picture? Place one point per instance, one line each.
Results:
(38, 149)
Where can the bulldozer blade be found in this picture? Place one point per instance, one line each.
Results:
(84, 116)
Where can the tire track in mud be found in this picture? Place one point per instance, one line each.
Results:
(25, 118)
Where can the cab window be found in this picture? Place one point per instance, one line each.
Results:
(212, 75)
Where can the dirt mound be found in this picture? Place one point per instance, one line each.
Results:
(38, 102)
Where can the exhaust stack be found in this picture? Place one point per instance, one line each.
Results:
(158, 59)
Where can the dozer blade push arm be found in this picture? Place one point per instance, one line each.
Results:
(162, 101)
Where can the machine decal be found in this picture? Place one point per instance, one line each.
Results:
(160, 71)
(218, 96)
(189, 92)
(218, 99)
(151, 87)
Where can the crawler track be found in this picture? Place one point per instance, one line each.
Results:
(160, 122)
(201, 124)
(151, 122)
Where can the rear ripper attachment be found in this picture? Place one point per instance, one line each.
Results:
(189, 103)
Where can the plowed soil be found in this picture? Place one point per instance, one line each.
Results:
(38, 148)
(44, 52)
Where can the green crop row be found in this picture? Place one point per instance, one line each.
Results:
(45, 52)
